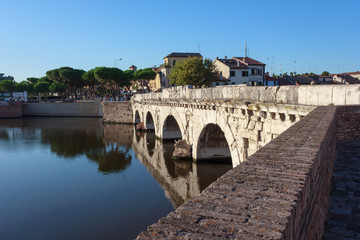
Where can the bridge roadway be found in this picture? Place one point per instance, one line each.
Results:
(282, 190)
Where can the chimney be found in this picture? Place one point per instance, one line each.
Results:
(238, 63)
(225, 57)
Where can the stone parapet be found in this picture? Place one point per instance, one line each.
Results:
(316, 95)
(281, 192)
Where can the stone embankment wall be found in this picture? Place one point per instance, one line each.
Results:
(117, 112)
(281, 192)
(315, 95)
(74, 109)
(11, 111)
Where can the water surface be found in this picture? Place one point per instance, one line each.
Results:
(75, 178)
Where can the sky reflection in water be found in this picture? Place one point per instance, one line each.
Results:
(50, 188)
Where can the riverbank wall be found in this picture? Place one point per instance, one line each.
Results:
(71, 109)
(117, 112)
(11, 111)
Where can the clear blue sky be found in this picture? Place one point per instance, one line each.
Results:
(40, 35)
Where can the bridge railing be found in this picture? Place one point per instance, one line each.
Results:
(315, 95)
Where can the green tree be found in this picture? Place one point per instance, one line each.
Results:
(90, 80)
(54, 74)
(100, 90)
(45, 79)
(194, 71)
(325, 73)
(8, 86)
(142, 77)
(42, 87)
(57, 88)
(24, 86)
(33, 80)
(73, 79)
(111, 77)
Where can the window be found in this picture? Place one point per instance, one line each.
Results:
(253, 71)
(259, 71)
(245, 73)
(174, 61)
(217, 84)
(163, 83)
(233, 83)
(226, 83)
(232, 73)
(220, 75)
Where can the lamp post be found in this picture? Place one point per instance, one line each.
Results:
(117, 60)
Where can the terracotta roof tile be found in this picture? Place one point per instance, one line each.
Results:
(248, 60)
(231, 63)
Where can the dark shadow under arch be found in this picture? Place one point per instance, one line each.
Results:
(137, 117)
(150, 122)
(212, 145)
(171, 129)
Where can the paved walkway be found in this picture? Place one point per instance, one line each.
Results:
(343, 220)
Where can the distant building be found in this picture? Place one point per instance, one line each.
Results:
(347, 78)
(239, 70)
(163, 71)
(270, 81)
(133, 68)
(296, 80)
(325, 79)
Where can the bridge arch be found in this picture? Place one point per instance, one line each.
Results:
(212, 144)
(149, 121)
(171, 128)
(137, 118)
(215, 140)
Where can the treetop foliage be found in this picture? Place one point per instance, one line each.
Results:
(194, 71)
(325, 73)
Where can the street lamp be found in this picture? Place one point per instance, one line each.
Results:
(117, 60)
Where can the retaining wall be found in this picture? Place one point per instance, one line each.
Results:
(281, 192)
(117, 112)
(11, 111)
(74, 109)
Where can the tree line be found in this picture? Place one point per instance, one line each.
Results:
(67, 82)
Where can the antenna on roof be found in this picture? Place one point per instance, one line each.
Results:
(295, 67)
(199, 47)
(246, 50)
(272, 66)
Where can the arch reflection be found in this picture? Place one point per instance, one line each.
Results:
(181, 180)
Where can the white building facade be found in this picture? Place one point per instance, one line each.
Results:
(239, 70)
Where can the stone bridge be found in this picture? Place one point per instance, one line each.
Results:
(232, 121)
(288, 136)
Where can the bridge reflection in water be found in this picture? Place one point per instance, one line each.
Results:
(180, 179)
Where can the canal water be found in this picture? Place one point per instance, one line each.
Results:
(75, 178)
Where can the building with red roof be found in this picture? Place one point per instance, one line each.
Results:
(239, 70)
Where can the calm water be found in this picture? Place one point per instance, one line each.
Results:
(74, 178)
